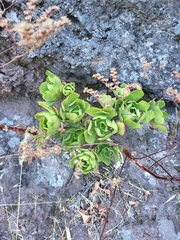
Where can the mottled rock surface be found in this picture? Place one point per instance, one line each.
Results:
(141, 39)
(50, 196)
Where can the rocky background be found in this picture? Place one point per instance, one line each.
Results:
(141, 40)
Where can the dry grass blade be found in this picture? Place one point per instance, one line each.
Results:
(68, 234)
(19, 197)
(171, 198)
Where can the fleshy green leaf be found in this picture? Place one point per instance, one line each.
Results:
(51, 90)
(132, 124)
(165, 115)
(43, 87)
(101, 113)
(69, 101)
(106, 100)
(73, 108)
(158, 115)
(158, 126)
(161, 103)
(147, 116)
(90, 137)
(135, 95)
(68, 88)
(142, 105)
(106, 152)
(84, 160)
(51, 77)
(39, 116)
(46, 105)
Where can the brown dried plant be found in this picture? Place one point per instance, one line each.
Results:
(112, 86)
(176, 75)
(174, 93)
(29, 150)
(32, 33)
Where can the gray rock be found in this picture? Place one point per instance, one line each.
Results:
(51, 173)
(138, 37)
(13, 142)
(176, 29)
(166, 229)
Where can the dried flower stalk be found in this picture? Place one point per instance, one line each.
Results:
(174, 93)
(29, 34)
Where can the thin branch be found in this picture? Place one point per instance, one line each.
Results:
(143, 168)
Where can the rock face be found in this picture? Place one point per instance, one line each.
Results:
(139, 38)
(50, 196)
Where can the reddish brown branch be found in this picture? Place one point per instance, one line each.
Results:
(156, 161)
(20, 130)
(163, 158)
(143, 168)
(154, 153)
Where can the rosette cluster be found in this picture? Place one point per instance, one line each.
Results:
(86, 130)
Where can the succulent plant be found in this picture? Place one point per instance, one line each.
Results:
(49, 120)
(68, 88)
(78, 124)
(73, 108)
(52, 88)
(84, 160)
(100, 130)
(73, 136)
(106, 152)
